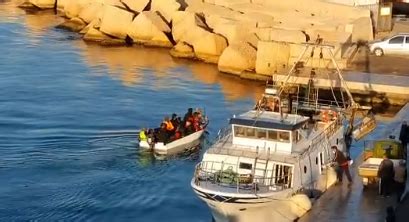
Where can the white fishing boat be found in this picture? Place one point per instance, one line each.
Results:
(270, 161)
(176, 146)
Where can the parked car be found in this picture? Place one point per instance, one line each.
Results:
(397, 44)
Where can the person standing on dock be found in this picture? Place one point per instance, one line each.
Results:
(404, 136)
(343, 164)
(386, 173)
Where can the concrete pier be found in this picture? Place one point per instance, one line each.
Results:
(343, 203)
(381, 87)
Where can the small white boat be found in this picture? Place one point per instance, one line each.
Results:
(176, 146)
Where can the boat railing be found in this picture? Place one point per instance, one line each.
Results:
(224, 177)
(324, 136)
(223, 134)
(319, 104)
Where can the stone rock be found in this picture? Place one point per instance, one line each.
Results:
(116, 21)
(329, 36)
(233, 31)
(165, 7)
(300, 204)
(93, 24)
(362, 30)
(209, 47)
(94, 35)
(74, 24)
(149, 28)
(280, 35)
(74, 7)
(41, 4)
(117, 3)
(237, 58)
(229, 3)
(136, 5)
(187, 26)
(182, 50)
(61, 4)
(91, 11)
(272, 57)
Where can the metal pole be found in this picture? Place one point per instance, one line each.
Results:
(341, 78)
(292, 69)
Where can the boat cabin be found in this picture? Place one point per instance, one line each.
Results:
(267, 130)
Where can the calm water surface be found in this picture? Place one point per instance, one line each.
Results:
(69, 117)
(68, 123)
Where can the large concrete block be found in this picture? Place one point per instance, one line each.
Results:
(329, 36)
(74, 24)
(136, 5)
(182, 50)
(209, 47)
(74, 7)
(165, 7)
(282, 35)
(300, 204)
(237, 58)
(116, 21)
(94, 35)
(272, 57)
(187, 26)
(61, 4)
(91, 11)
(362, 30)
(42, 4)
(149, 28)
(232, 30)
(229, 3)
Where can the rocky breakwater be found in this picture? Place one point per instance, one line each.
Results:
(250, 38)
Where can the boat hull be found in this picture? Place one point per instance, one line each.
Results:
(176, 146)
(260, 209)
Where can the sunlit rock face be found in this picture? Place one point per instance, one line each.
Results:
(182, 50)
(40, 4)
(116, 21)
(149, 28)
(165, 7)
(74, 24)
(237, 58)
(136, 5)
(258, 35)
(272, 57)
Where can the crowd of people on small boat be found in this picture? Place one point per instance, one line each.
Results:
(174, 128)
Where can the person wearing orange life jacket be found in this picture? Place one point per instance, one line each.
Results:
(168, 124)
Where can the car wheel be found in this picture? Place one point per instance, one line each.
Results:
(378, 52)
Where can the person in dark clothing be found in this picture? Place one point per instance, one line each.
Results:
(189, 129)
(390, 214)
(400, 178)
(162, 135)
(188, 115)
(404, 136)
(343, 164)
(175, 120)
(386, 174)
